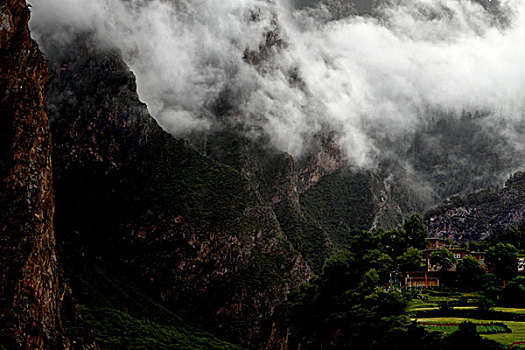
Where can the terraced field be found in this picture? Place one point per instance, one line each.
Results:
(517, 328)
(482, 328)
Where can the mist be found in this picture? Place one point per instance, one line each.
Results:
(379, 75)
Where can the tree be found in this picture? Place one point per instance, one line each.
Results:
(514, 293)
(491, 287)
(410, 260)
(513, 235)
(394, 242)
(415, 231)
(381, 262)
(442, 258)
(468, 272)
(342, 308)
(502, 259)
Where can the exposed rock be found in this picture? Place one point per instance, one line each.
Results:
(33, 300)
(481, 214)
(324, 159)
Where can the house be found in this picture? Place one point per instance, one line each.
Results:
(421, 279)
(480, 257)
(429, 278)
(435, 244)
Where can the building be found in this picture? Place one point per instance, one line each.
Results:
(435, 244)
(429, 278)
(421, 280)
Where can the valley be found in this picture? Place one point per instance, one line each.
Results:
(184, 175)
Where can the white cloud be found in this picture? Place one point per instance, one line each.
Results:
(368, 78)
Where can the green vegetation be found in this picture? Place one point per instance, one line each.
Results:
(517, 329)
(306, 235)
(512, 235)
(431, 299)
(443, 259)
(468, 273)
(334, 307)
(347, 306)
(415, 231)
(510, 309)
(481, 328)
(115, 329)
(342, 307)
(205, 190)
(158, 208)
(341, 204)
(122, 315)
(502, 259)
(514, 293)
(410, 260)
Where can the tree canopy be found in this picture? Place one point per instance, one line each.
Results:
(442, 258)
(410, 260)
(502, 259)
(469, 273)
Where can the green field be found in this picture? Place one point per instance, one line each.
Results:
(433, 299)
(510, 309)
(518, 328)
(492, 327)
(500, 309)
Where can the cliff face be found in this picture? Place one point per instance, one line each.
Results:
(319, 201)
(30, 291)
(481, 214)
(197, 230)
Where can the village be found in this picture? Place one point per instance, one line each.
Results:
(429, 276)
(446, 295)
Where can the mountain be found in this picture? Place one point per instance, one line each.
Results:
(195, 229)
(219, 222)
(480, 215)
(227, 229)
(173, 242)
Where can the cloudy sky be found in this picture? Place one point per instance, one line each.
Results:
(370, 77)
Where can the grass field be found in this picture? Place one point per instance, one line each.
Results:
(510, 309)
(487, 328)
(500, 309)
(433, 299)
(455, 307)
(518, 328)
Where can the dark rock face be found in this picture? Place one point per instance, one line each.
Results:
(197, 230)
(318, 200)
(481, 214)
(31, 294)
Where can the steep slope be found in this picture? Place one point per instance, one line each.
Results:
(123, 313)
(196, 229)
(318, 200)
(348, 201)
(481, 214)
(280, 179)
(34, 302)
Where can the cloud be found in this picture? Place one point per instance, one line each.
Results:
(375, 79)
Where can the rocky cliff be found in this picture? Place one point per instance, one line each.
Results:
(33, 300)
(481, 214)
